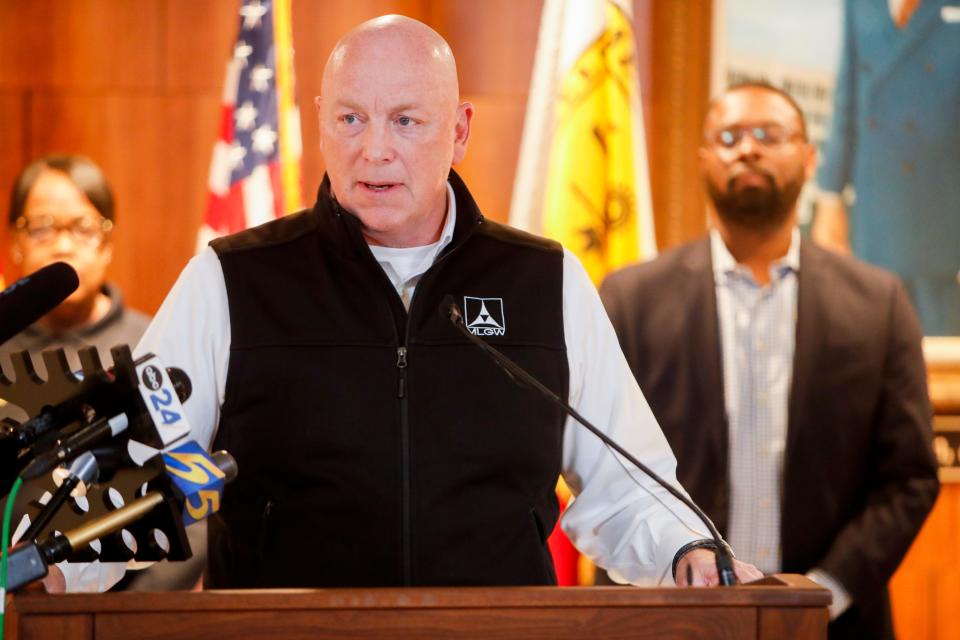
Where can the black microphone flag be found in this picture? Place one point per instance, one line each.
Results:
(34, 296)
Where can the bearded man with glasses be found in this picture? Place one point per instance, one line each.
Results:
(788, 379)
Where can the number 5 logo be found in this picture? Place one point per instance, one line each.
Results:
(197, 478)
(209, 503)
(196, 467)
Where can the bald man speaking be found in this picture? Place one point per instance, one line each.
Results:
(377, 447)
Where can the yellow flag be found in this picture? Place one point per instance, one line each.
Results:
(590, 195)
(582, 174)
(595, 195)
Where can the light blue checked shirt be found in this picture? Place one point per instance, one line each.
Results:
(757, 333)
(758, 336)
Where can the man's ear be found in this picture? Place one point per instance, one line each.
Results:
(810, 161)
(702, 155)
(461, 131)
(317, 103)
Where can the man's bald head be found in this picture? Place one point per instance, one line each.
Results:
(393, 38)
(391, 126)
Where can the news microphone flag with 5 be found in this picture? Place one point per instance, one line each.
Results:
(582, 175)
(255, 172)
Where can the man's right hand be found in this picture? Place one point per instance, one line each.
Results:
(702, 565)
(54, 582)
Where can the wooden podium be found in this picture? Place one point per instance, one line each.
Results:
(782, 606)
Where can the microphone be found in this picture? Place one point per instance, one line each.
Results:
(82, 441)
(29, 432)
(29, 562)
(84, 469)
(450, 311)
(34, 296)
(154, 416)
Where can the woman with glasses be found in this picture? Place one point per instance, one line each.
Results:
(62, 209)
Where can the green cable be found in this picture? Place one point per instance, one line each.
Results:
(7, 514)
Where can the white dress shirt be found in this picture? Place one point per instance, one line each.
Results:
(758, 339)
(621, 519)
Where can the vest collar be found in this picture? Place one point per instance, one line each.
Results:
(342, 227)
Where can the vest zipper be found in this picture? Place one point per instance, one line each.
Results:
(406, 535)
(264, 532)
(402, 365)
(405, 467)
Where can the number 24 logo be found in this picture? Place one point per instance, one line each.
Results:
(161, 400)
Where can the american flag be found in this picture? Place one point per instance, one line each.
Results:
(255, 169)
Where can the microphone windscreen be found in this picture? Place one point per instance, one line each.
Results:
(181, 382)
(34, 296)
(226, 463)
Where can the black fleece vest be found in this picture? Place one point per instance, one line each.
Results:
(377, 447)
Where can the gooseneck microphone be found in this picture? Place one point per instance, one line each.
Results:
(34, 296)
(450, 310)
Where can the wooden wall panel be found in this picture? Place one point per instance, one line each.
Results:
(95, 43)
(494, 49)
(154, 151)
(680, 59)
(198, 39)
(492, 153)
(196, 118)
(926, 587)
(494, 43)
(643, 33)
(105, 128)
(12, 124)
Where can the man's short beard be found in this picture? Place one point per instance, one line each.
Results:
(760, 208)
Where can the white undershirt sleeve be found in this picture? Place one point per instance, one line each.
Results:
(620, 518)
(190, 331)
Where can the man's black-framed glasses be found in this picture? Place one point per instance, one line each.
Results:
(768, 135)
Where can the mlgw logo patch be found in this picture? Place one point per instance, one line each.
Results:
(484, 316)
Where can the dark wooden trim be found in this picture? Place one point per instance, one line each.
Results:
(799, 594)
(777, 603)
(680, 61)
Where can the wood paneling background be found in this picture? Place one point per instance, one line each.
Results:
(136, 85)
(926, 588)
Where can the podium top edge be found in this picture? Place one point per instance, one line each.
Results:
(781, 590)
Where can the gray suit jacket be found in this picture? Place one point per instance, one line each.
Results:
(859, 474)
